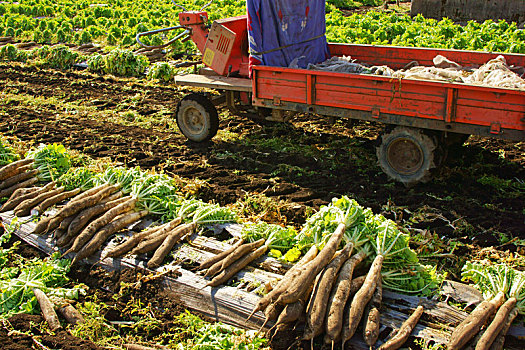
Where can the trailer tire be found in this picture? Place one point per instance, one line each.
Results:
(197, 118)
(407, 155)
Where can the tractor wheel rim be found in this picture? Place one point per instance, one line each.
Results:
(193, 120)
(405, 156)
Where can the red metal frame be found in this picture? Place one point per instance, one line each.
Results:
(427, 104)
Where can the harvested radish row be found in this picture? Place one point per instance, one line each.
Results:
(402, 334)
(339, 297)
(24, 208)
(309, 271)
(87, 214)
(39, 209)
(232, 257)
(169, 242)
(316, 309)
(20, 195)
(13, 168)
(51, 222)
(209, 262)
(229, 271)
(354, 314)
(88, 232)
(28, 173)
(10, 191)
(124, 247)
(145, 241)
(372, 324)
(100, 237)
(150, 243)
(75, 206)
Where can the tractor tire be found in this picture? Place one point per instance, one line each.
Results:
(408, 155)
(197, 118)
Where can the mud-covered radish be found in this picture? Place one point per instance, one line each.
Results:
(135, 240)
(385, 242)
(371, 319)
(48, 311)
(23, 176)
(62, 228)
(233, 256)
(74, 207)
(59, 197)
(11, 193)
(218, 257)
(19, 195)
(283, 283)
(339, 296)
(229, 271)
(317, 307)
(497, 324)
(13, 168)
(169, 242)
(24, 208)
(105, 232)
(402, 334)
(471, 325)
(307, 273)
(83, 217)
(499, 343)
(88, 232)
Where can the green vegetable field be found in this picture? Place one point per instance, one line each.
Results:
(290, 224)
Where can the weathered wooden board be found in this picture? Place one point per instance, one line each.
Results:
(232, 305)
(214, 82)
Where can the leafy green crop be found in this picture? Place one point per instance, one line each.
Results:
(18, 276)
(11, 53)
(51, 161)
(77, 178)
(7, 154)
(125, 63)
(88, 21)
(162, 71)
(201, 335)
(61, 57)
(282, 239)
(401, 271)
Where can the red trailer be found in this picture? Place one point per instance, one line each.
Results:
(422, 117)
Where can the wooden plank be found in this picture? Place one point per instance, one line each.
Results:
(232, 305)
(214, 82)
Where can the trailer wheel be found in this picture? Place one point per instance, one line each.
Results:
(407, 155)
(197, 118)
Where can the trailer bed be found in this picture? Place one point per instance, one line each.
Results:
(444, 106)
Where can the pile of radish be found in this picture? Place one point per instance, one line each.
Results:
(102, 204)
(504, 291)
(82, 209)
(319, 286)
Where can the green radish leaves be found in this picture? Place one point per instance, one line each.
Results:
(51, 161)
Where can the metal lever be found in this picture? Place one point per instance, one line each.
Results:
(202, 8)
(184, 33)
(182, 7)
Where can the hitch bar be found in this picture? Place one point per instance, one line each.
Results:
(185, 33)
